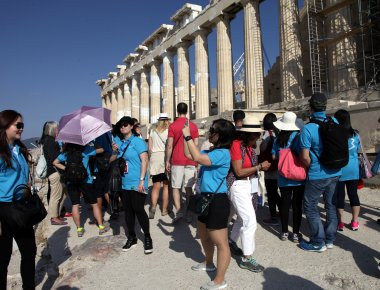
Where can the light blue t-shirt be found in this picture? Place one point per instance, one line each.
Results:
(351, 170)
(213, 178)
(87, 153)
(131, 180)
(311, 140)
(103, 141)
(294, 143)
(13, 177)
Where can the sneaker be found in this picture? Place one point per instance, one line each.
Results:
(80, 232)
(329, 246)
(177, 217)
(131, 243)
(152, 212)
(354, 225)
(251, 265)
(311, 247)
(212, 286)
(271, 222)
(148, 245)
(284, 236)
(103, 229)
(296, 238)
(204, 267)
(235, 250)
(340, 227)
(68, 214)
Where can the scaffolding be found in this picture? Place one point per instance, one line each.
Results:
(363, 32)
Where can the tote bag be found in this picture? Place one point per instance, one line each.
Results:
(290, 167)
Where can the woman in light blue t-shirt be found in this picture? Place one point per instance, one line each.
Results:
(348, 181)
(212, 228)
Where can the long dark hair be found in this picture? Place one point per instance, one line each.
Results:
(283, 138)
(226, 131)
(7, 118)
(344, 119)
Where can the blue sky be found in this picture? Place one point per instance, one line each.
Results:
(53, 51)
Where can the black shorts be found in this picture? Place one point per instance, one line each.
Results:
(101, 184)
(87, 190)
(159, 177)
(218, 212)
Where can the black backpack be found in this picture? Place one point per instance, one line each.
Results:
(75, 171)
(335, 145)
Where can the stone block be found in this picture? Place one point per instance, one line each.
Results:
(375, 104)
(359, 106)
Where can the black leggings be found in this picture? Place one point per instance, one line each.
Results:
(352, 192)
(27, 246)
(273, 196)
(291, 195)
(133, 203)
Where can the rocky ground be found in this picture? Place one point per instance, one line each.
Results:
(68, 262)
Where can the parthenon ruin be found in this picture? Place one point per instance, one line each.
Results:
(340, 53)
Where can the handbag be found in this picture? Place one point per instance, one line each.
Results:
(290, 167)
(199, 203)
(27, 211)
(117, 171)
(376, 165)
(364, 164)
(41, 168)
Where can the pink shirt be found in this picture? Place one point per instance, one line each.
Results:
(175, 132)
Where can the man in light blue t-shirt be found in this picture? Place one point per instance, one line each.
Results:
(320, 181)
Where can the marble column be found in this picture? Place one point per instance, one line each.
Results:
(202, 77)
(135, 97)
(155, 92)
(144, 98)
(225, 87)
(183, 73)
(290, 51)
(120, 102)
(253, 56)
(114, 106)
(127, 98)
(168, 85)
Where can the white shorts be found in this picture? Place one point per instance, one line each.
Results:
(183, 175)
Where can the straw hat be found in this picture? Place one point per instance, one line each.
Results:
(251, 124)
(288, 122)
(163, 116)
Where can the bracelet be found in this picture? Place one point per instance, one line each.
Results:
(188, 138)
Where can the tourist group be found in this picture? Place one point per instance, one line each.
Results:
(218, 181)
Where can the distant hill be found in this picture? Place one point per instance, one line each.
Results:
(30, 141)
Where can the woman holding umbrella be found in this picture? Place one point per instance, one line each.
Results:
(134, 181)
(69, 159)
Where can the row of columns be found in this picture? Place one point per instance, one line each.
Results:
(141, 98)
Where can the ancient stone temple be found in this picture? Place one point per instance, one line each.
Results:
(329, 46)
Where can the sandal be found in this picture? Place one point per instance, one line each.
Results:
(58, 222)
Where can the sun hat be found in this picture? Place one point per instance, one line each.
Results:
(251, 124)
(163, 116)
(288, 122)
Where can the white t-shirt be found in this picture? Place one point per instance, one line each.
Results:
(158, 140)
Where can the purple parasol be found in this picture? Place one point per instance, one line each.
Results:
(84, 125)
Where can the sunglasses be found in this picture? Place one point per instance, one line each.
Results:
(19, 125)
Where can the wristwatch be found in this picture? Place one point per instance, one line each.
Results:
(142, 179)
(188, 138)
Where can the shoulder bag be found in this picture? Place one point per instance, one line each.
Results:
(365, 165)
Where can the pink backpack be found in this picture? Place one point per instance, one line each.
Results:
(290, 167)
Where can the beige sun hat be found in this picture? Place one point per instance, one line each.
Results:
(288, 122)
(252, 124)
(163, 116)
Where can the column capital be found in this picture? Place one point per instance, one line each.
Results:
(202, 32)
(168, 53)
(224, 17)
(245, 2)
(184, 44)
